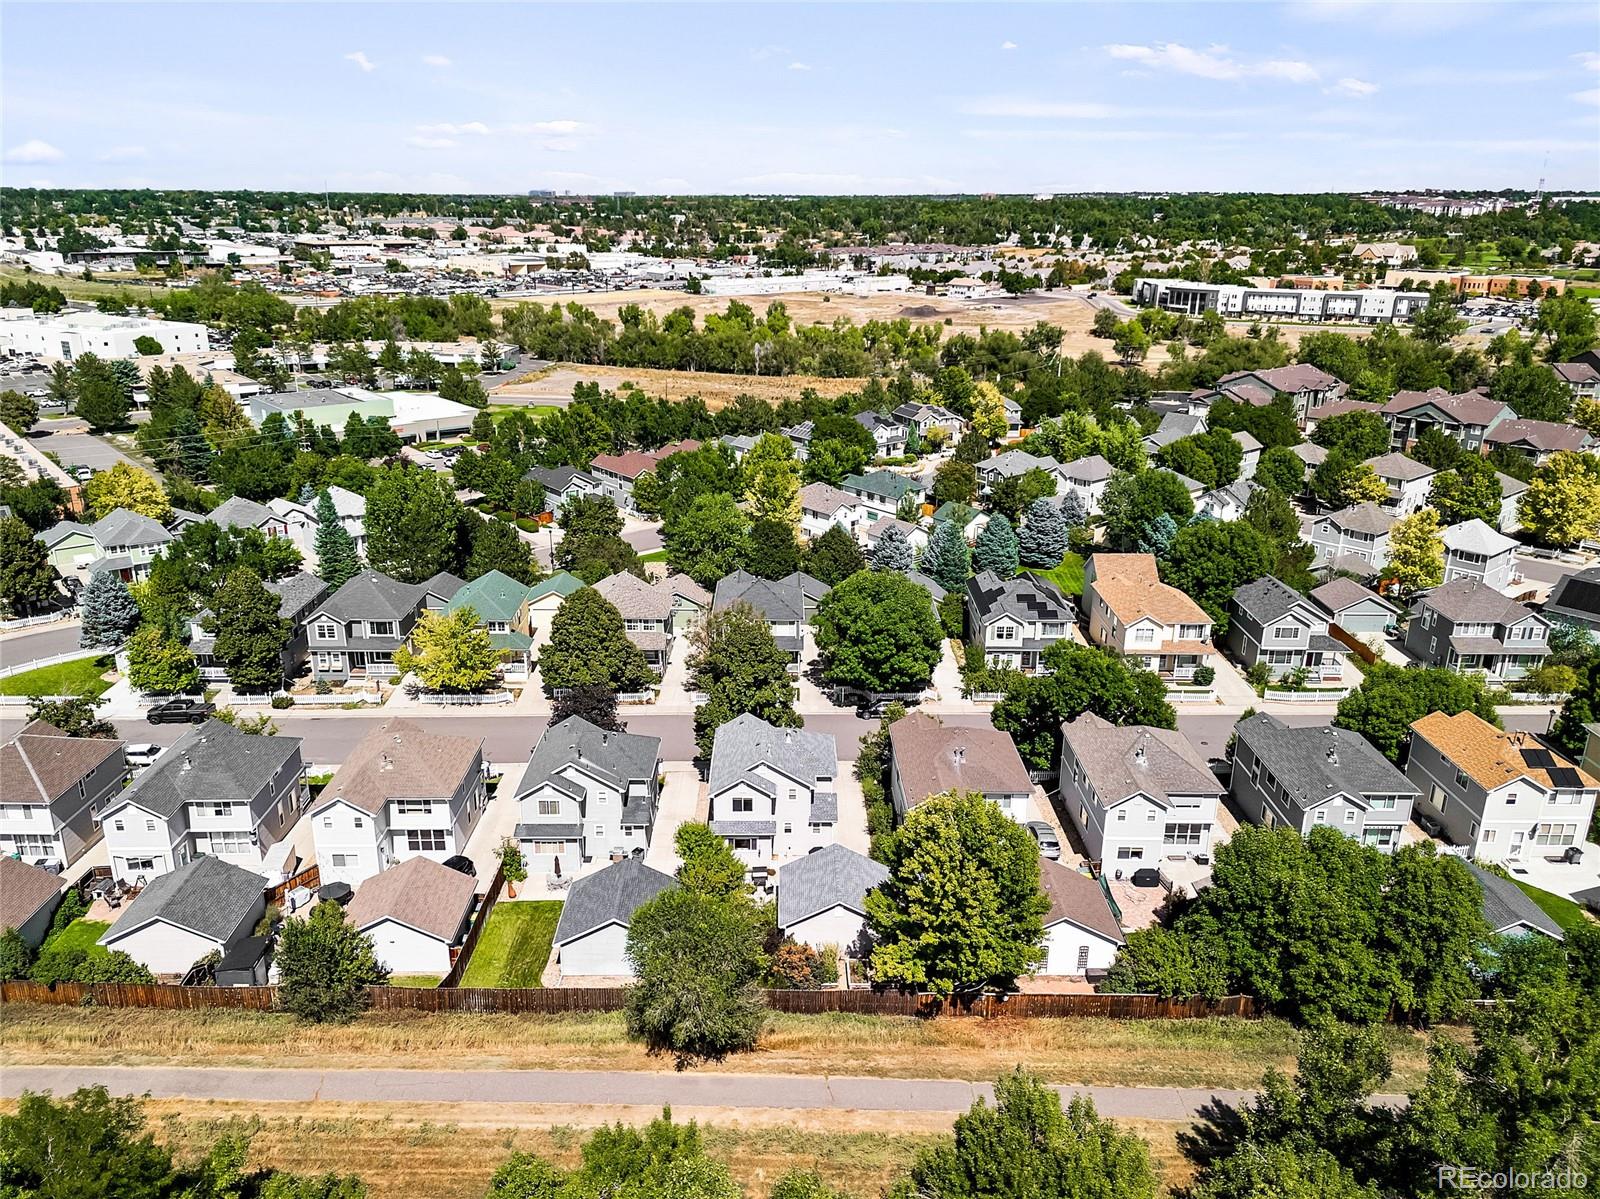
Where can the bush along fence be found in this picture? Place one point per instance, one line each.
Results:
(558, 1000)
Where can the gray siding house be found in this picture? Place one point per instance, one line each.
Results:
(1016, 620)
(1318, 775)
(1353, 608)
(298, 595)
(1468, 626)
(1273, 623)
(52, 790)
(354, 632)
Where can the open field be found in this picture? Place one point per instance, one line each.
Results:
(75, 287)
(449, 1151)
(554, 387)
(1220, 1053)
(81, 676)
(515, 945)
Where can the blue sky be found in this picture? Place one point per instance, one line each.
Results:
(1300, 96)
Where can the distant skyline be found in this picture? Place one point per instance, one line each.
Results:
(1312, 95)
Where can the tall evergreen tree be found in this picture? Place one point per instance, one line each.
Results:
(997, 548)
(250, 636)
(337, 559)
(893, 551)
(1043, 540)
(109, 613)
(948, 558)
(26, 576)
(496, 545)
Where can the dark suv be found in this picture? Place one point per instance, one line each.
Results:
(181, 711)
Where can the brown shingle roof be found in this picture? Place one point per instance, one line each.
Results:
(1078, 898)
(401, 760)
(1130, 584)
(24, 889)
(933, 758)
(1493, 757)
(634, 598)
(42, 762)
(419, 893)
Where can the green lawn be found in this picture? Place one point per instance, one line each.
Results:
(1068, 577)
(78, 677)
(80, 934)
(1559, 908)
(654, 556)
(414, 980)
(515, 944)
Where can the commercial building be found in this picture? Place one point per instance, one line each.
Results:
(413, 416)
(70, 335)
(1372, 306)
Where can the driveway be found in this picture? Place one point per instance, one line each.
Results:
(682, 800)
(499, 821)
(851, 831)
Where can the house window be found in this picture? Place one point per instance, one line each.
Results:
(787, 829)
(1350, 816)
(1554, 834)
(743, 803)
(149, 826)
(340, 861)
(117, 824)
(597, 833)
(548, 849)
(1083, 958)
(1286, 632)
(137, 865)
(1322, 816)
(425, 840)
(226, 843)
(1144, 636)
(1461, 779)
(1122, 815)
(327, 822)
(549, 807)
(222, 809)
(380, 628)
(359, 822)
(413, 807)
(325, 630)
(1382, 802)
(1129, 852)
(1005, 632)
(1184, 834)
(745, 843)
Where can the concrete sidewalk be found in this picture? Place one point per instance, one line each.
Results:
(692, 1089)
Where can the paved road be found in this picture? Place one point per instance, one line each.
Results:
(43, 642)
(685, 1089)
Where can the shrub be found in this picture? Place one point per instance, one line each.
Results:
(15, 956)
(282, 701)
(73, 905)
(795, 965)
(1204, 676)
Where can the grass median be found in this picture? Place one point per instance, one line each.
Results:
(1219, 1053)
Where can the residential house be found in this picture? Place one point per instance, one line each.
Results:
(1508, 910)
(739, 445)
(800, 437)
(1227, 502)
(1013, 464)
(1511, 492)
(1357, 611)
(968, 519)
(1016, 620)
(1575, 598)
(650, 611)
(587, 794)
(823, 505)
(1137, 795)
(1504, 796)
(1306, 386)
(1468, 626)
(355, 632)
(204, 906)
(1251, 448)
(1081, 934)
(122, 541)
(1472, 550)
(415, 914)
(772, 790)
(1467, 418)
(1013, 411)
(298, 596)
(1314, 775)
(540, 604)
(591, 938)
(563, 483)
(216, 792)
(1174, 426)
(29, 896)
(888, 433)
(927, 758)
(783, 602)
(1311, 454)
(1536, 440)
(1133, 612)
(1354, 538)
(1407, 480)
(924, 417)
(1088, 478)
(872, 532)
(617, 473)
(1273, 623)
(52, 790)
(500, 603)
(822, 899)
(881, 493)
(1581, 378)
(935, 592)
(238, 513)
(403, 791)
(300, 520)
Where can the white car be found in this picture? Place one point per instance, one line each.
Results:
(141, 754)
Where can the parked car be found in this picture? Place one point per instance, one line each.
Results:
(461, 862)
(181, 711)
(1049, 843)
(141, 753)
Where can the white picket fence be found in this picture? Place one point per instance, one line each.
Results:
(53, 659)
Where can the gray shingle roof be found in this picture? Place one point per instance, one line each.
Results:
(1093, 469)
(747, 741)
(122, 527)
(612, 894)
(1470, 599)
(1508, 909)
(1398, 466)
(211, 761)
(614, 757)
(206, 896)
(1476, 537)
(1362, 518)
(1267, 599)
(373, 596)
(1318, 761)
(1131, 760)
(1017, 462)
(1336, 595)
(834, 876)
(778, 601)
(237, 512)
(297, 592)
(1026, 597)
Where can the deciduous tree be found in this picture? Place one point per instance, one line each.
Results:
(735, 663)
(159, 664)
(589, 646)
(877, 632)
(772, 480)
(413, 525)
(450, 652)
(249, 635)
(835, 556)
(1562, 503)
(1416, 552)
(708, 540)
(325, 965)
(126, 486)
(26, 576)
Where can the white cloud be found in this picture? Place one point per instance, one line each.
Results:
(436, 60)
(543, 127)
(34, 150)
(359, 57)
(1589, 60)
(123, 154)
(799, 66)
(1000, 106)
(1214, 62)
(445, 129)
(1008, 45)
(422, 142)
(1592, 96)
(1359, 88)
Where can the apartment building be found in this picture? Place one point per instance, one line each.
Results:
(1371, 306)
(1133, 612)
(1016, 620)
(1466, 418)
(1536, 440)
(1468, 626)
(1504, 796)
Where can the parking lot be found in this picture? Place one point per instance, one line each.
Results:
(82, 449)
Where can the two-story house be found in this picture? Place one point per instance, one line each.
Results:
(888, 433)
(823, 505)
(1013, 464)
(1466, 418)
(881, 493)
(1133, 612)
(1088, 478)
(355, 632)
(928, 757)
(216, 792)
(236, 512)
(587, 795)
(1536, 440)
(1407, 481)
(1505, 796)
(1273, 623)
(617, 473)
(1468, 626)
(1306, 386)
(1174, 426)
(122, 541)
(52, 790)
(501, 605)
(1016, 620)
(654, 613)
(563, 483)
(300, 520)
(1318, 775)
(787, 604)
(800, 437)
(298, 596)
(403, 791)
(773, 792)
(1472, 550)
(1354, 538)
(1227, 502)
(1136, 795)
(923, 417)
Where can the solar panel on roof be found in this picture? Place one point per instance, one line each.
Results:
(1566, 776)
(1580, 595)
(1539, 759)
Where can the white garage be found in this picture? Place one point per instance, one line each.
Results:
(822, 898)
(181, 916)
(592, 935)
(415, 913)
(1081, 934)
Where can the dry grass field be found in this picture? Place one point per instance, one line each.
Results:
(554, 387)
(1220, 1053)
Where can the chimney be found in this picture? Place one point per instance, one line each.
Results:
(788, 736)
(186, 763)
(1139, 754)
(385, 762)
(959, 753)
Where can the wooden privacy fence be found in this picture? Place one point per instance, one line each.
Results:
(557, 1000)
(463, 955)
(310, 877)
(1353, 643)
